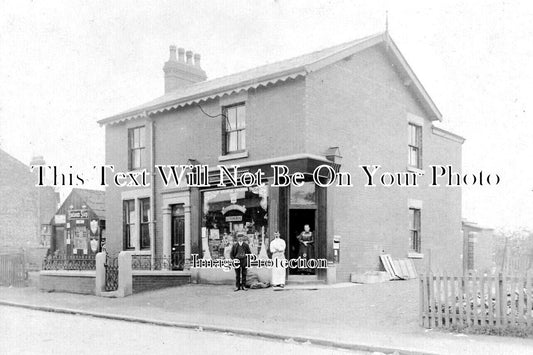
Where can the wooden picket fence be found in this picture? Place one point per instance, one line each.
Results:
(475, 301)
(13, 269)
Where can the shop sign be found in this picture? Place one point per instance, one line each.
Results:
(94, 245)
(242, 209)
(60, 219)
(94, 226)
(233, 218)
(78, 214)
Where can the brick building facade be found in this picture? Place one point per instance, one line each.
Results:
(359, 100)
(25, 210)
(478, 248)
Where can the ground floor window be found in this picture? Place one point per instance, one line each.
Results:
(227, 213)
(145, 222)
(414, 228)
(136, 223)
(129, 224)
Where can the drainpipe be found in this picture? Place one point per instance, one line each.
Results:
(152, 191)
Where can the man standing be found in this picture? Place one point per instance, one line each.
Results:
(239, 251)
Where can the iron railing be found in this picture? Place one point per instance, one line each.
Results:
(62, 262)
(111, 273)
(145, 262)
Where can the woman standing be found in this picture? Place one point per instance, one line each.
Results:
(277, 248)
(306, 249)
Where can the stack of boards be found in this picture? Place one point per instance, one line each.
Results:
(398, 269)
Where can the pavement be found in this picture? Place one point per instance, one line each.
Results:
(378, 317)
(36, 332)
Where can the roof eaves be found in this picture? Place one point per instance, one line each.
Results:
(447, 134)
(351, 50)
(206, 95)
(418, 85)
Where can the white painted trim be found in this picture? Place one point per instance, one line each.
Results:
(232, 156)
(234, 98)
(137, 252)
(413, 203)
(172, 190)
(68, 273)
(415, 170)
(278, 160)
(414, 119)
(202, 97)
(415, 255)
(160, 273)
(135, 194)
(448, 135)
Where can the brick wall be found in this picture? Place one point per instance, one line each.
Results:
(274, 117)
(361, 106)
(153, 282)
(59, 282)
(23, 207)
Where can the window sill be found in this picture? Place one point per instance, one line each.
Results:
(415, 255)
(138, 252)
(232, 156)
(416, 170)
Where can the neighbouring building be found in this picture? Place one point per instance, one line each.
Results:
(78, 226)
(352, 104)
(25, 210)
(478, 248)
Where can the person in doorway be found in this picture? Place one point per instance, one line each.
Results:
(239, 251)
(306, 247)
(277, 248)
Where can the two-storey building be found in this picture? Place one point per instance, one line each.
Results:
(358, 103)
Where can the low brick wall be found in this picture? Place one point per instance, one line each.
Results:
(153, 280)
(34, 257)
(82, 282)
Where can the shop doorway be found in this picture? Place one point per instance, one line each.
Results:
(298, 218)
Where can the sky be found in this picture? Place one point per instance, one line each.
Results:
(66, 64)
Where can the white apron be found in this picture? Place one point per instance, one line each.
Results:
(277, 248)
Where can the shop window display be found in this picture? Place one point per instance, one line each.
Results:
(229, 213)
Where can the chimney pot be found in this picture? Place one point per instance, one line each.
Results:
(189, 57)
(197, 60)
(181, 53)
(172, 57)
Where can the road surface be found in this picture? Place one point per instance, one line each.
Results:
(24, 331)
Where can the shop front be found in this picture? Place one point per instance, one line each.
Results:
(300, 214)
(78, 225)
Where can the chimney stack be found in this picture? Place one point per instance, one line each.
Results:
(197, 60)
(35, 161)
(180, 73)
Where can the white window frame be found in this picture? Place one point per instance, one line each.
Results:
(137, 196)
(418, 122)
(413, 204)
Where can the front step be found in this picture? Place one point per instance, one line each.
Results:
(304, 280)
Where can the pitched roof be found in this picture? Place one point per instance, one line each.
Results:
(95, 200)
(269, 74)
(5, 156)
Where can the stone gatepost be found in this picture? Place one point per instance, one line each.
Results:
(100, 274)
(125, 275)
